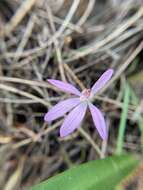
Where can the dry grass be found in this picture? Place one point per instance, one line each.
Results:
(75, 45)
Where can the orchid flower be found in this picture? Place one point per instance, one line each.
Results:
(78, 106)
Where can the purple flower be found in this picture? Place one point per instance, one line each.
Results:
(78, 106)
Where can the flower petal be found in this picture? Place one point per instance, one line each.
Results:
(66, 87)
(105, 77)
(73, 120)
(61, 108)
(99, 121)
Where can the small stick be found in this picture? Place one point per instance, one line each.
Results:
(56, 44)
(89, 139)
(116, 33)
(18, 17)
(22, 93)
(124, 65)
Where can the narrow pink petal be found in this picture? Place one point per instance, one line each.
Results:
(73, 120)
(66, 87)
(105, 77)
(99, 121)
(61, 108)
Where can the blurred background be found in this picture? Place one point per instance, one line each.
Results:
(74, 41)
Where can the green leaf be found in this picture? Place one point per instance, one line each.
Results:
(102, 174)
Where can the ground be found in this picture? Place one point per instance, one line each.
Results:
(76, 42)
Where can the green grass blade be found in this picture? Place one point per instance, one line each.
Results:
(123, 121)
(135, 101)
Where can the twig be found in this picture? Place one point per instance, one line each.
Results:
(18, 17)
(74, 76)
(22, 93)
(56, 43)
(25, 37)
(124, 66)
(94, 47)
(89, 139)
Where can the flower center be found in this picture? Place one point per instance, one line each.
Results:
(86, 94)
